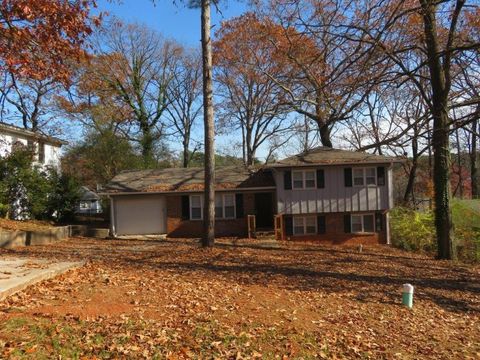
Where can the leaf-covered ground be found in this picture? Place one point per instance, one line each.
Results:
(173, 299)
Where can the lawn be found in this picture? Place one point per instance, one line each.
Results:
(172, 299)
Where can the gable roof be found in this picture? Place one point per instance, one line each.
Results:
(329, 156)
(15, 130)
(188, 180)
(87, 194)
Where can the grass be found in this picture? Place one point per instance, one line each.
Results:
(173, 299)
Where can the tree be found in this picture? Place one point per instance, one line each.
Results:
(185, 105)
(91, 101)
(30, 100)
(139, 72)
(100, 157)
(39, 35)
(402, 31)
(326, 76)
(250, 100)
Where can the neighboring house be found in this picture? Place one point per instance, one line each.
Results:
(46, 148)
(89, 203)
(323, 194)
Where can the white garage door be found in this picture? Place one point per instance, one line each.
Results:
(140, 215)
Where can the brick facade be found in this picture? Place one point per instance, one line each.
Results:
(177, 227)
(335, 233)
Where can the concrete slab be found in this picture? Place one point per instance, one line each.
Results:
(18, 273)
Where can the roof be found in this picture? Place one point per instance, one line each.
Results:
(188, 180)
(87, 194)
(8, 128)
(329, 156)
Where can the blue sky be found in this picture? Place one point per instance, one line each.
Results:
(182, 24)
(173, 21)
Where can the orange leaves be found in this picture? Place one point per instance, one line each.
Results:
(40, 36)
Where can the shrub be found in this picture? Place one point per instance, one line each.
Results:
(28, 191)
(466, 220)
(412, 230)
(415, 231)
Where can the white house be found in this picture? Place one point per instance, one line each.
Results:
(47, 148)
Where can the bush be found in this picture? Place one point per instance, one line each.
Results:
(466, 220)
(28, 191)
(412, 230)
(415, 231)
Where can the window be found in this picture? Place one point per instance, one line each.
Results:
(84, 205)
(370, 176)
(363, 223)
(310, 179)
(229, 206)
(224, 206)
(196, 208)
(41, 153)
(358, 177)
(304, 179)
(364, 176)
(218, 206)
(297, 179)
(303, 225)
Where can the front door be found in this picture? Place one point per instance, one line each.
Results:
(264, 210)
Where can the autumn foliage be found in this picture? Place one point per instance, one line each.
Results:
(39, 36)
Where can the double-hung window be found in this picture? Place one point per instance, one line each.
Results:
(304, 225)
(363, 223)
(305, 179)
(364, 176)
(224, 206)
(196, 207)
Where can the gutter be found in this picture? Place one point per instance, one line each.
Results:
(110, 194)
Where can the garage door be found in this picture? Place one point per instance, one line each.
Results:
(140, 215)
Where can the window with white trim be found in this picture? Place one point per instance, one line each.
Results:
(224, 206)
(304, 179)
(304, 225)
(364, 176)
(84, 205)
(363, 223)
(196, 207)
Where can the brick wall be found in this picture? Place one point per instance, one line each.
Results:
(335, 233)
(176, 227)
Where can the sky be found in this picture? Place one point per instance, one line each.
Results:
(173, 21)
(182, 24)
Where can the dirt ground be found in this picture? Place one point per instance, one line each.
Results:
(173, 299)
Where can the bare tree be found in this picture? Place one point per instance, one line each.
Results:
(326, 76)
(29, 100)
(140, 70)
(185, 92)
(250, 100)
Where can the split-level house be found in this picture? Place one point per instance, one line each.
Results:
(45, 148)
(324, 194)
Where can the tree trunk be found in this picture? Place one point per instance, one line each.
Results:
(473, 160)
(409, 196)
(208, 238)
(325, 135)
(147, 145)
(186, 154)
(459, 188)
(441, 146)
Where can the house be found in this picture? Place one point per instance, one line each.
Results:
(321, 195)
(89, 203)
(46, 148)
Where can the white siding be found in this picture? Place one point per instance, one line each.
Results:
(52, 152)
(334, 197)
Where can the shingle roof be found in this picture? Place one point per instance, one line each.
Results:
(12, 129)
(329, 156)
(188, 179)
